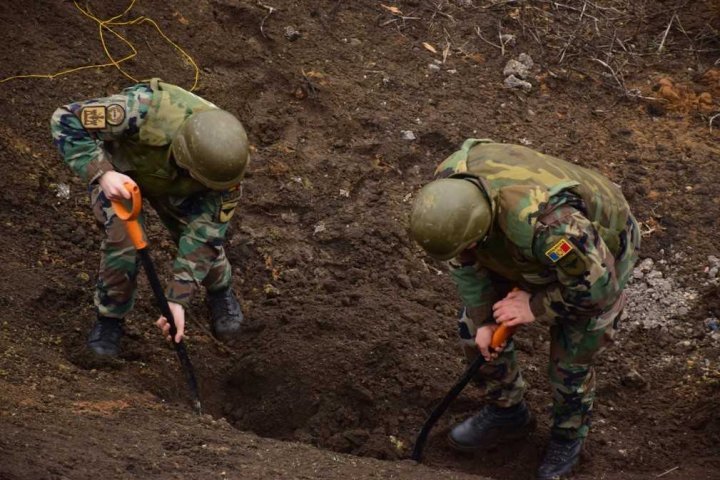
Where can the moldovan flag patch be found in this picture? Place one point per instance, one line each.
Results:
(559, 250)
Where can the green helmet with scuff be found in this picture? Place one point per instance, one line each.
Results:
(212, 145)
(448, 216)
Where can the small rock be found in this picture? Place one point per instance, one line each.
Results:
(434, 67)
(319, 228)
(646, 265)
(83, 277)
(508, 39)
(355, 42)
(408, 135)
(290, 217)
(513, 82)
(682, 311)
(654, 274)
(526, 60)
(404, 281)
(712, 273)
(633, 379)
(291, 33)
(518, 69)
(712, 324)
(62, 191)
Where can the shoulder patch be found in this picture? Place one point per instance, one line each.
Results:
(115, 114)
(93, 117)
(559, 250)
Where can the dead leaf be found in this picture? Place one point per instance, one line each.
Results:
(429, 47)
(314, 74)
(180, 18)
(393, 10)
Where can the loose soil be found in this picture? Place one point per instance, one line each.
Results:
(350, 333)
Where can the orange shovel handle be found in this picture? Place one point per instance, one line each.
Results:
(501, 335)
(130, 216)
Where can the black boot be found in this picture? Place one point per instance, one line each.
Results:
(492, 426)
(104, 338)
(560, 458)
(225, 312)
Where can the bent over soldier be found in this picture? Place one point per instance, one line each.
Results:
(530, 238)
(188, 158)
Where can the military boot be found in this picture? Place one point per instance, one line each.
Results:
(225, 312)
(104, 338)
(560, 458)
(492, 426)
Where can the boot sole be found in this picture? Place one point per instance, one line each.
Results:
(498, 440)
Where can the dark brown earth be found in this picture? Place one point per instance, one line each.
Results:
(350, 334)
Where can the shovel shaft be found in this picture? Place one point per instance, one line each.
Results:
(180, 349)
(501, 335)
(137, 236)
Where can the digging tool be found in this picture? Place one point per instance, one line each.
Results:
(135, 232)
(501, 335)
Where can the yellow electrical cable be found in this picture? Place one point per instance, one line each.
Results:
(107, 25)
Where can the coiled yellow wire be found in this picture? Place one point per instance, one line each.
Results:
(107, 25)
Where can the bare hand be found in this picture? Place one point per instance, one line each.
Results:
(483, 339)
(514, 309)
(113, 185)
(178, 313)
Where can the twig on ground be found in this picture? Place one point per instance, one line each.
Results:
(614, 74)
(270, 12)
(500, 37)
(667, 30)
(437, 11)
(312, 90)
(712, 119)
(394, 20)
(477, 30)
(669, 471)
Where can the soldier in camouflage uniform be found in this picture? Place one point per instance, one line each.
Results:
(188, 158)
(530, 238)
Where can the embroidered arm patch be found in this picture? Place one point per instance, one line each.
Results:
(559, 250)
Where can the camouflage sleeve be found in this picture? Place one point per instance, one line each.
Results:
(79, 129)
(200, 244)
(586, 286)
(474, 287)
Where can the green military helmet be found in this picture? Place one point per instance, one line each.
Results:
(448, 216)
(213, 146)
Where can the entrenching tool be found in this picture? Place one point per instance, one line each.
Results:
(135, 232)
(501, 335)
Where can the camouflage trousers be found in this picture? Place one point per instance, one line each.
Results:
(573, 348)
(119, 262)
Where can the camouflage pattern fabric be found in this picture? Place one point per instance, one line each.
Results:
(550, 239)
(131, 132)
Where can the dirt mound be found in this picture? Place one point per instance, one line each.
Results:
(350, 335)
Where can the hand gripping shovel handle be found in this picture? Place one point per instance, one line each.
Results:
(136, 234)
(501, 335)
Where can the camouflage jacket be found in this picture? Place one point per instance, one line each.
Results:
(558, 231)
(131, 132)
